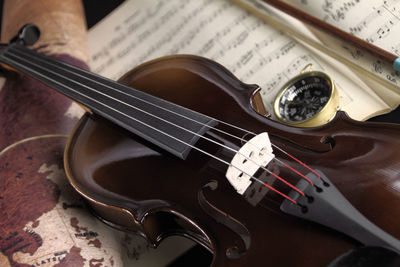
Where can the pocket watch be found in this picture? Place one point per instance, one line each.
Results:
(309, 99)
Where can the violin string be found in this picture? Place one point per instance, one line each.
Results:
(183, 116)
(168, 135)
(180, 127)
(276, 176)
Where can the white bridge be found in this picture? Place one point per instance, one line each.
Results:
(255, 154)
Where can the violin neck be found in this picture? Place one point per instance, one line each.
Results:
(167, 125)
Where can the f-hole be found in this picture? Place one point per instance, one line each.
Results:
(232, 252)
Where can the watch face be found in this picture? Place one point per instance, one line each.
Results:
(304, 98)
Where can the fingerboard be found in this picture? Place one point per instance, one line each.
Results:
(165, 124)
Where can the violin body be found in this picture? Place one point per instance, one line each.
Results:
(135, 186)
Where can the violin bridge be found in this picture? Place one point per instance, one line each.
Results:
(252, 156)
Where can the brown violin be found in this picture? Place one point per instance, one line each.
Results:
(181, 147)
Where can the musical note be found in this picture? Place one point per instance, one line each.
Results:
(292, 69)
(339, 11)
(376, 22)
(395, 49)
(383, 31)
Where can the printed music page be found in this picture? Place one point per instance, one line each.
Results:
(142, 30)
(377, 22)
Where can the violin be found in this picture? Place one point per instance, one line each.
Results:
(180, 146)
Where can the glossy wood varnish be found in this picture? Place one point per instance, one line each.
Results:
(135, 186)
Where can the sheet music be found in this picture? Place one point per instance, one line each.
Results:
(255, 52)
(377, 22)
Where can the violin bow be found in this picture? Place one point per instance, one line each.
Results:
(334, 31)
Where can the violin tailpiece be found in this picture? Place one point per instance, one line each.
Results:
(324, 204)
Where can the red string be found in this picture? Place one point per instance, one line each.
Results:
(287, 183)
(305, 165)
(304, 177)
(280, 193)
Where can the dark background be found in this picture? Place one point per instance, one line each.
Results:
(95, 10)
